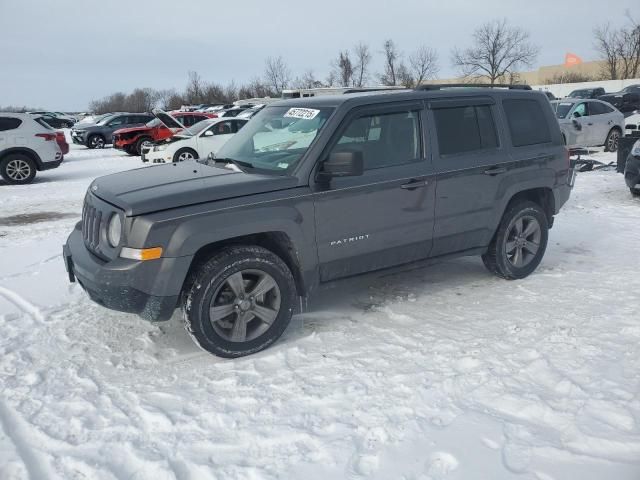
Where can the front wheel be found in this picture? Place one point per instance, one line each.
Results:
(611, 143)
(520, 242)
(240, 301)
(96, 141)
(185, 154)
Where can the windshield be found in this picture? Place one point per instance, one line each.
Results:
(276, 138)
(561, 108)
(195, 129)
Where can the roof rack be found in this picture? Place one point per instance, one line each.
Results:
(373, 89)
(439, 86)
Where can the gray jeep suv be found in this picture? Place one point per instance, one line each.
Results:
(317, 189)
(97, 135)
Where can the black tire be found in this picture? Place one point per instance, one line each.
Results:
(209, 280)
(184, 152)
(635, 192)
(130, 150)
(612, 141)
(96, 141)
(497, 260)
(138, 146)
(17, 169)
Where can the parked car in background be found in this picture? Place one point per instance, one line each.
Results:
(54, 121)
(95, 118)
(234, 111)
(626, 100)
(192, 143)
(132, 139)
(632, 169)
(250, 112)
(27, 145)
(587, 93)
(632, 123)
(549, 95)
(97, 135)
(589, 123)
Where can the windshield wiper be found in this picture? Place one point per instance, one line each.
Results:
(238, 163)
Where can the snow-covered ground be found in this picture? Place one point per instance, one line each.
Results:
(435, 373)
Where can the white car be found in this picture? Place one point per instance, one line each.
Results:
(589, 123)
(198, 141)
(632, 123)
(27, 145)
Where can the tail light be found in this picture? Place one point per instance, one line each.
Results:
(48, 137)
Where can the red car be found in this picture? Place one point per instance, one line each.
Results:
(131, 139)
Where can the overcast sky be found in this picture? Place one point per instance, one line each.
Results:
(61, 54)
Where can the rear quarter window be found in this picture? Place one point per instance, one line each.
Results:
(465, 129)
(9, 123)
(527, 122)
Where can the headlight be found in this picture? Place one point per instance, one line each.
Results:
(114, 230)
(159, 148)
(635, 151)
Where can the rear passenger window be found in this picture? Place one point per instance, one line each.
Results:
(8, 123)
(385, 140)
(527, 122)
(465, 129)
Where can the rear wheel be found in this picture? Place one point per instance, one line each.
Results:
(611, 143)
(185, 154)
(520, 242)
(142, 142)
(17, 169)
(240, 301)
(130, 150)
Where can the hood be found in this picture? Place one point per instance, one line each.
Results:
(168, 120)
(152, 189)
(133, 129)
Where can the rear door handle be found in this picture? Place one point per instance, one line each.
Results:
(413, 184)
(495, 171)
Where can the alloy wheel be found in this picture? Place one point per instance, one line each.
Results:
(185, 156)
(612, 143)
(523, 241)
(245, 305)
(97, 142)
(18, 170)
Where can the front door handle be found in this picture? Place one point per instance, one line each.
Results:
(413, 184)
(495, 171)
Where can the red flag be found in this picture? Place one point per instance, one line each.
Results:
(571, 59)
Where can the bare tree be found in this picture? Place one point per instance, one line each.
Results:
(195, 88)
(498, 51)
(362, 56)
(423, 64)
(308, 80)
(277, 74)
(391, 59)
(620, 49)
(343, 69)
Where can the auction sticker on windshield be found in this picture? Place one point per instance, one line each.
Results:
(305, 113)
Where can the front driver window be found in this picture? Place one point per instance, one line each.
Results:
(385, 140)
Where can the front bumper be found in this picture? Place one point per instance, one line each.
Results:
(78, 139)
(149, 289)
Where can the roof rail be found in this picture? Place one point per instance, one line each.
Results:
(373, 89)
(439, 86)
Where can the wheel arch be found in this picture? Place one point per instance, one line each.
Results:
(277, 242)
(543, 196)
(24, 151)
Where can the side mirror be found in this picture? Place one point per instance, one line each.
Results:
(577, 124)
(343, 164)
(208, 133)
(576, 115)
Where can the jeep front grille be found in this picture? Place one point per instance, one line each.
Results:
(91, 220)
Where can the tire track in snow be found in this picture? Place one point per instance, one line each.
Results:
(22, 304)
(17, 431)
